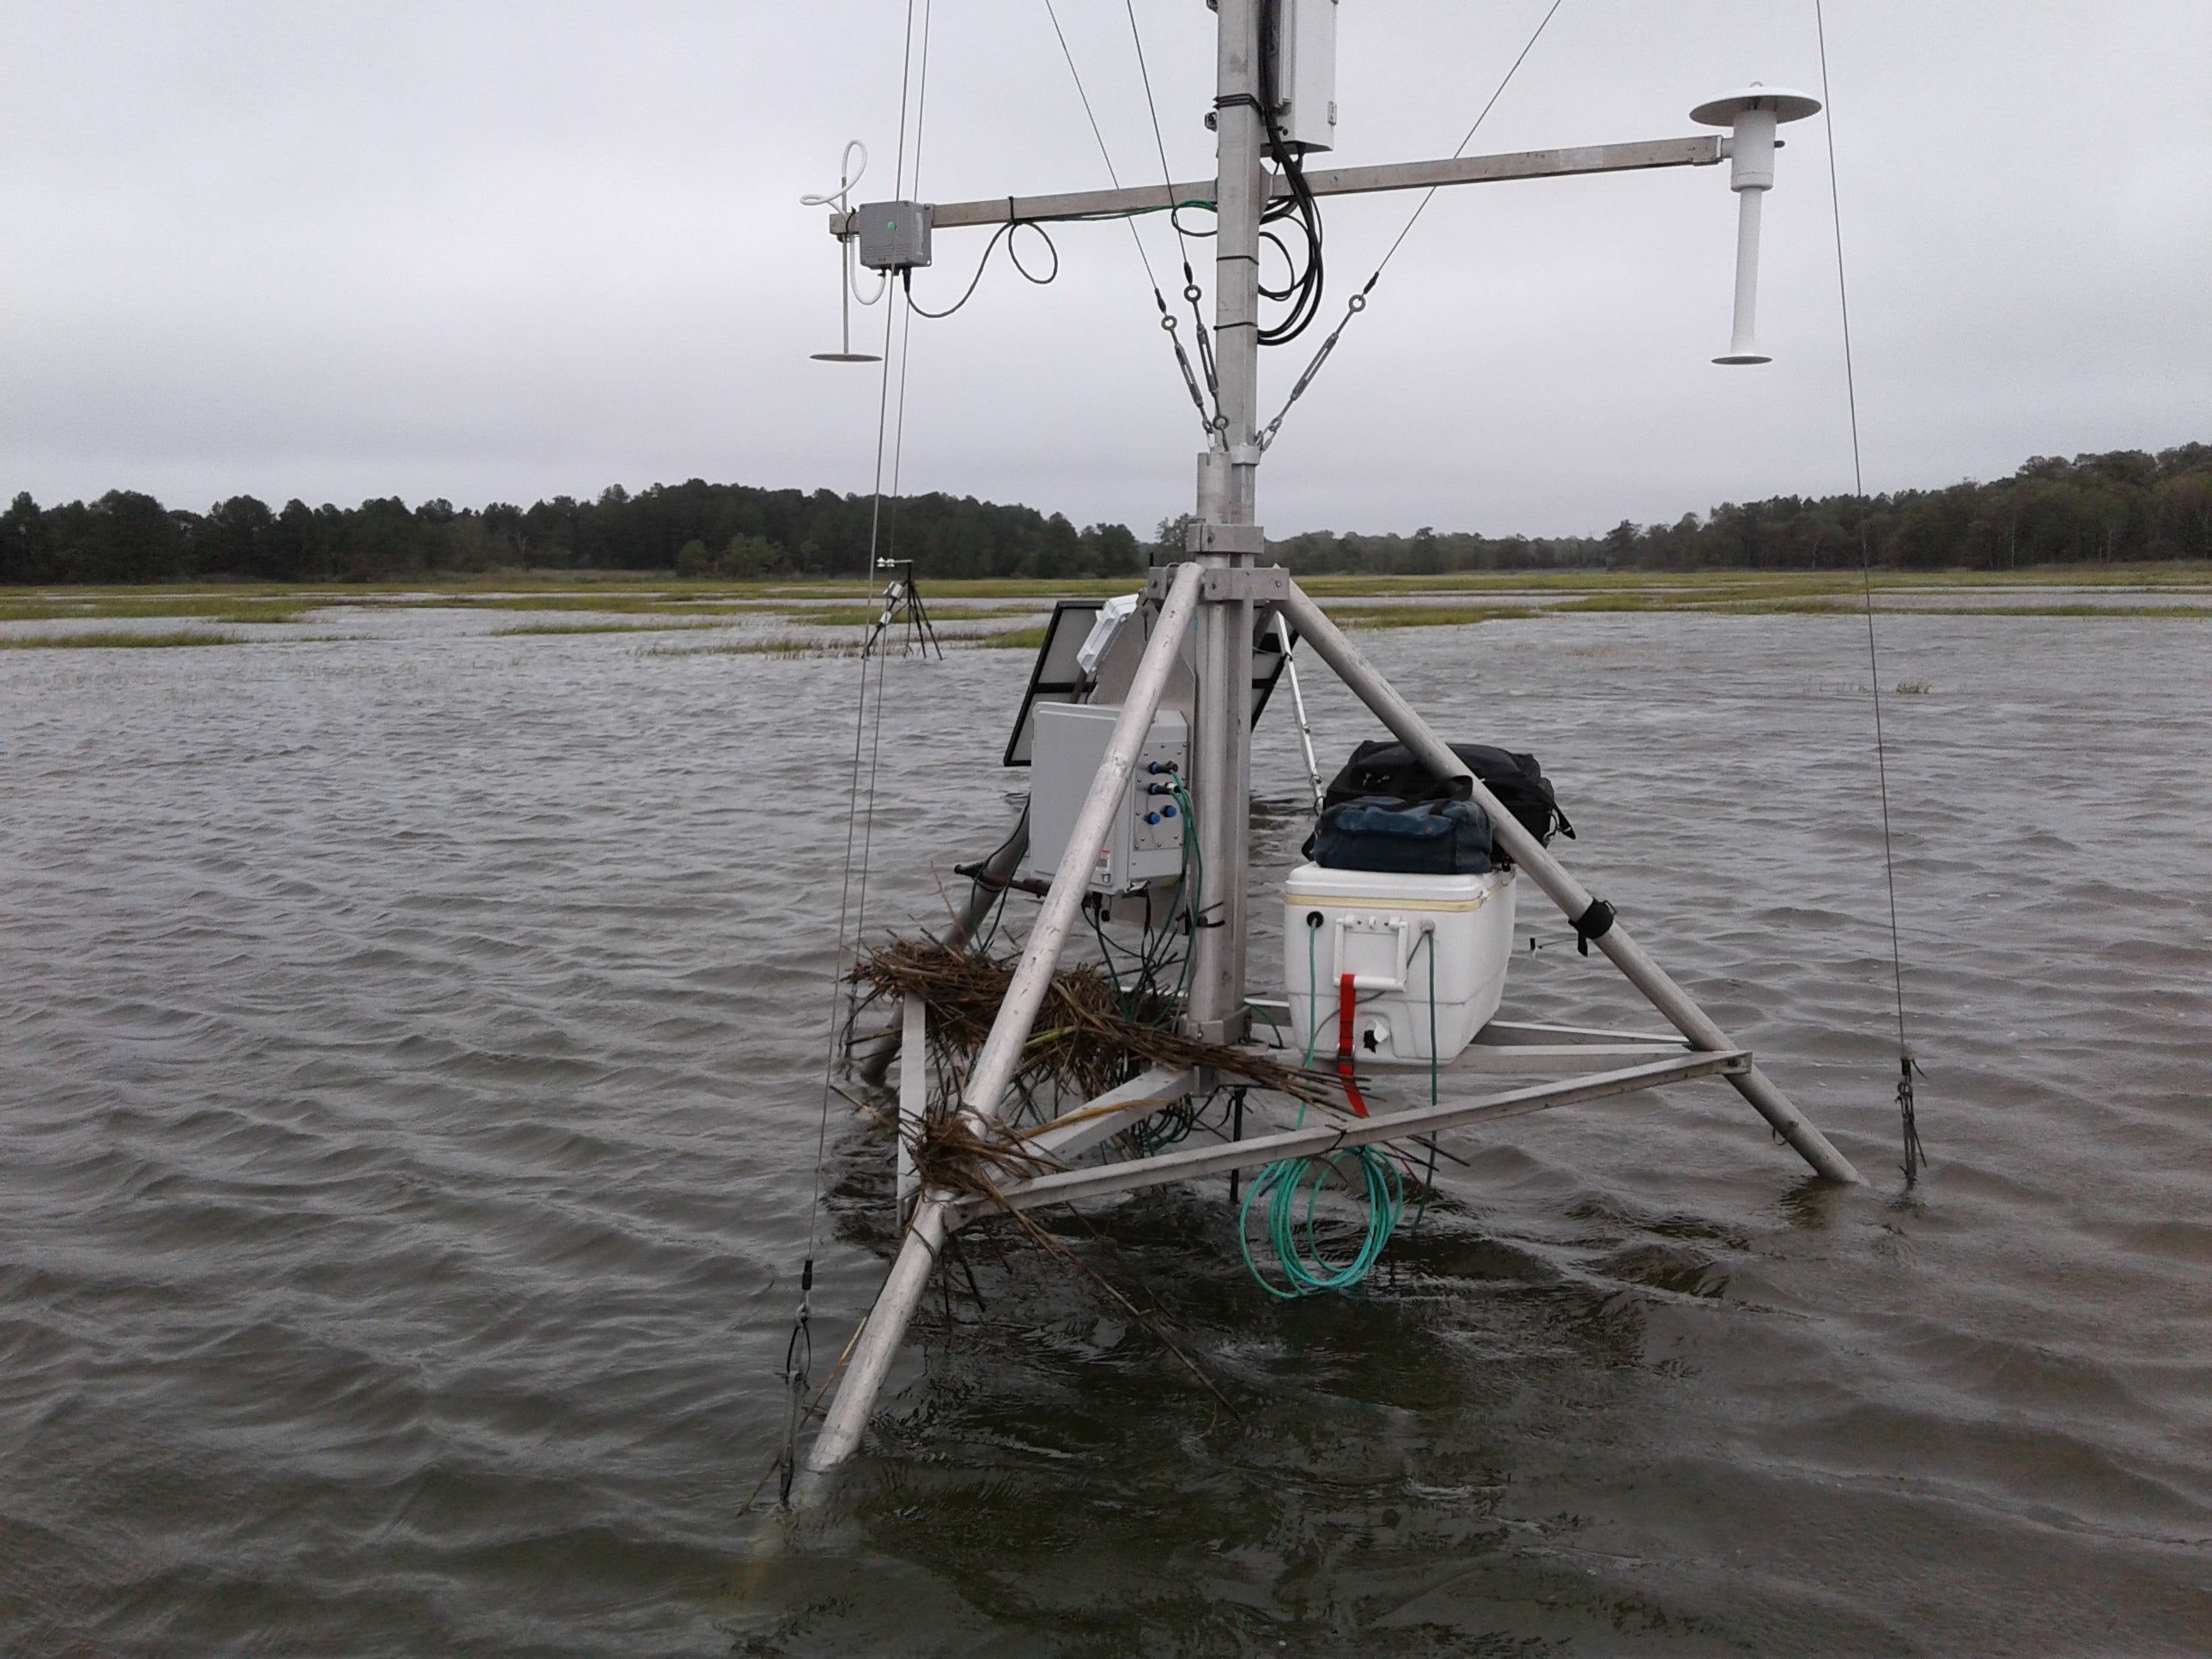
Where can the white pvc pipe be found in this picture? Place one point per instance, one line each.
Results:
(914, 1089)
(1298, 703)
(1751, 175)
(1743, 342)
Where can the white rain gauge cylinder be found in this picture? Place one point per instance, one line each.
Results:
(1751, 116)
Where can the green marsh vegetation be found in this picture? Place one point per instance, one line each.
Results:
(1013, 639)
(218, 606)
(524, 629)
(115, 639)
(645, 603)
(780, 646)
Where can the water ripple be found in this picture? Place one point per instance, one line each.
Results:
(413, 1050)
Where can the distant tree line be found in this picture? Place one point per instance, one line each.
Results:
(2125, 506)
(2122, 508)
(1425, 553)
(695, 528)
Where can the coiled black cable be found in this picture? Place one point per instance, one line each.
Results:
(1303, 292)
(1005, 233)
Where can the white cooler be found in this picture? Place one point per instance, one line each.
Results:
(1371, 926)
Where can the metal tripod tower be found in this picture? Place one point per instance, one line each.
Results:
(1209, 602)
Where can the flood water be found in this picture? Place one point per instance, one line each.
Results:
(411, 1052)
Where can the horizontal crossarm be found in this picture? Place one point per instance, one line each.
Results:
(1062, 1186)
(1701, 151)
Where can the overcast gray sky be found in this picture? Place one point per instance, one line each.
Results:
(504, 251)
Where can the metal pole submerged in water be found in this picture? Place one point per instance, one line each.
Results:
(885, 1327)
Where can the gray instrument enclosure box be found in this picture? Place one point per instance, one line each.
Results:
(1144, 843)
(894, 235)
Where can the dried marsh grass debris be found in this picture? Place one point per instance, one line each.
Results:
(1084, 1042)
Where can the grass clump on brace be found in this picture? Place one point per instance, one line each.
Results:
(1082, 1043)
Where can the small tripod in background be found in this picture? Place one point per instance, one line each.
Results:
(902, 606)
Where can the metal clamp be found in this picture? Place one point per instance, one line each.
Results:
(1262, 584)
(1229, 1030)
(1201, 537)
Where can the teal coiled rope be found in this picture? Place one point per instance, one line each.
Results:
(1292, 1188)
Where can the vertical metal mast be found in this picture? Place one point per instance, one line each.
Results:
(1228, 537)
(1226, 481)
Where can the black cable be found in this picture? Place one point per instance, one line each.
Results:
(1358, 301)
(1005, 233)
(1304, 290)
(798, 1352)
(986, 930)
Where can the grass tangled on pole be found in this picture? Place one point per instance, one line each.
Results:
(1082, 1043)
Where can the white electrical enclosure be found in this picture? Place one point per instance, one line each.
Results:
(1144, 840)
(1304, 73)
(1380, 930)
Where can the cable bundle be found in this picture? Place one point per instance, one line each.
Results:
(1143, 974)
(1304, 290)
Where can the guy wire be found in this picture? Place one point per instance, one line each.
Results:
(1913, 1155)
(1357, 302)
(799, 1350)
(905, 308)
(853, 817)
(1167, 173)
(1422, 206)
(1104, 154)
(1138, 241)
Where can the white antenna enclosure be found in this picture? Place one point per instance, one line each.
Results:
(1304, 73)
(1751, 116)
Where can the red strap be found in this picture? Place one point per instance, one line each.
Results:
(1346, 1002)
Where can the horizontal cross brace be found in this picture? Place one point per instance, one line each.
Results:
(1508, 1033)
(1546, 1060)
(1065, 1185)
(1111, 1112)
(1698, 152)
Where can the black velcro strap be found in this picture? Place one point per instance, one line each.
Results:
(1594, 923)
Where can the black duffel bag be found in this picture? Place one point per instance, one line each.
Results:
(1427, 838)
(1390, 769)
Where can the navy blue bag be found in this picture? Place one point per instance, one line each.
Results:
(1426, 838)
